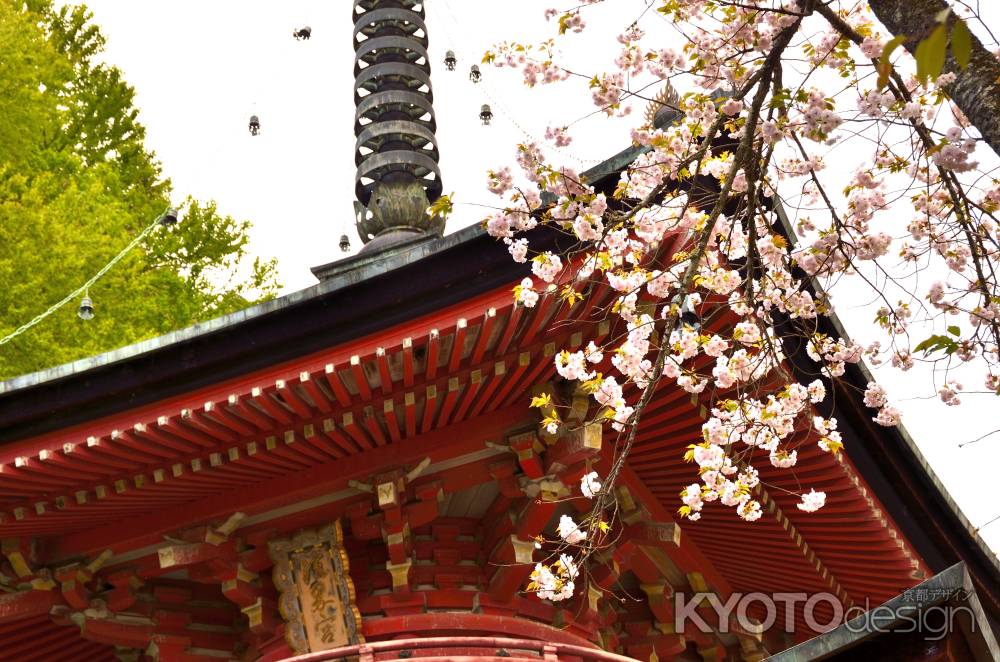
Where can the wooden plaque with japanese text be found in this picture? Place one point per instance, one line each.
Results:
(317, 600)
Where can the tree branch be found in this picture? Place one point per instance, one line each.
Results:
(976, 90)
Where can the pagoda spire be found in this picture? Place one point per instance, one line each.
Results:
(396, 150)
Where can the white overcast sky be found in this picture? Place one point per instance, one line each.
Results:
(201, 68)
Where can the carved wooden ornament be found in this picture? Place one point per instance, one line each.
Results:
(317, 599)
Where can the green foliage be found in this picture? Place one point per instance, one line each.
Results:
(936, 343)
(961, 44)
(930, 54)
(885, 64)
(939, 343)
(76, 186)
(442, 207)
(931, 51)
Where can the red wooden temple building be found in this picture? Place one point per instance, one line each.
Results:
(352, 471)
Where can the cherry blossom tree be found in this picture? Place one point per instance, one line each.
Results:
(722, 239)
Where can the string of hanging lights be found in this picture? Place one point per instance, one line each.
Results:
(486, 110)
(299, 34)
(86, 309)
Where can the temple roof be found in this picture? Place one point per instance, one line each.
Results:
(359, 295)
(27, 397)
(889, 521)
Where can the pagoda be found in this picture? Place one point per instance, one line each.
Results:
(352, 472)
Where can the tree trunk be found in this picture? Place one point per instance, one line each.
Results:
(976, 90)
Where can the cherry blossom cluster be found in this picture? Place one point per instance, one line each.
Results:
(708, 280)
(555, 581)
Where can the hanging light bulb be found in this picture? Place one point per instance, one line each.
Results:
(474, 74)
(345, 243)
(485, 114)
(86, 310)
(169, 218)
(450, 60)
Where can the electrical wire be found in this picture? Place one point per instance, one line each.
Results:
(86, 286)
(275, 72)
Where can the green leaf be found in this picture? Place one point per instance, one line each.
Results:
(442, 207)
(930, 54)
(961, 44)
(884, 64)
(543, 400)
(936, 343)
(954, 330)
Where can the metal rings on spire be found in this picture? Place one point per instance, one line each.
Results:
(394, 119)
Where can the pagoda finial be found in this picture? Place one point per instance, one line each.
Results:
(664, 109)
(396, 151)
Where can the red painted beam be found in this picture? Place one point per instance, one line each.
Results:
(510, 381)
(374, 428)
(410, 414)
(41, 644)
(155, 435)
(510, 327)
(391, 421)
(338, 437)
(433, 353)
(117, 634)
(337, 386)
(475, 381)
(273, 409)
(472, 307)
(26, 604)
(542, 314)
(408, 363)
(661, 514)
(360, 378)
(311, 453)
(454, 386)
(286, 393)
(430, 409)
(384, 375)
(452, 622)
(321, 442)
(458, 345)
(485, 330)
(319, 399)
(513, 558)
(356, 432)
(495, 378)
(311, 482)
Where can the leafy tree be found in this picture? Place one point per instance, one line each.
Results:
(76, 185)
(720, 243)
